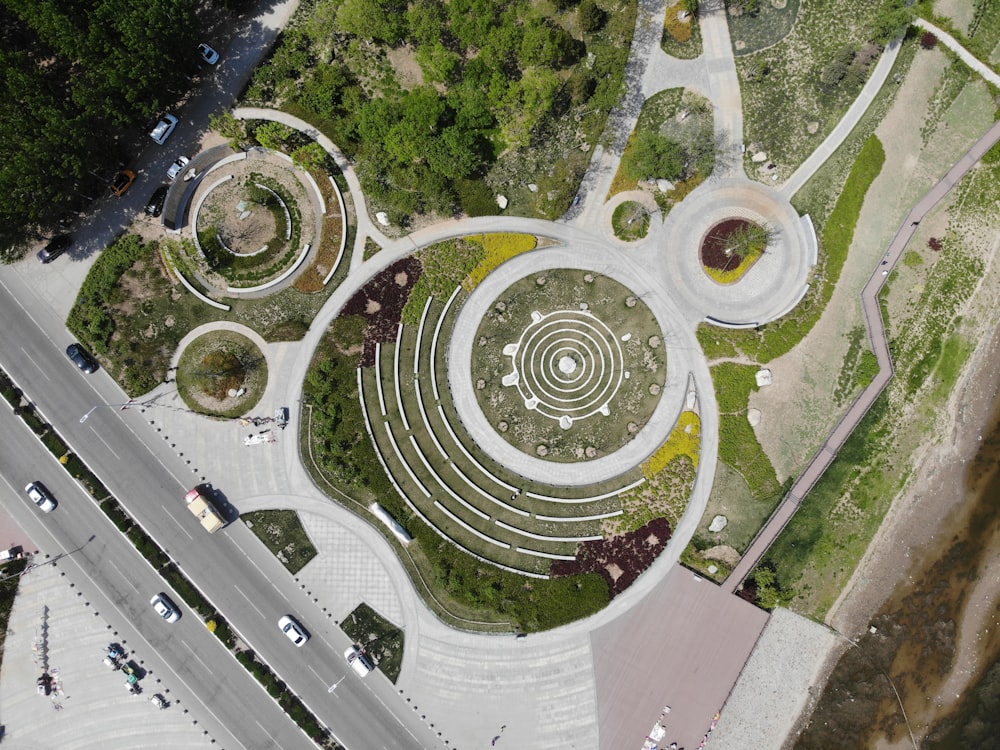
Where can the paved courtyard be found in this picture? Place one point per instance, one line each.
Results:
(90, 706)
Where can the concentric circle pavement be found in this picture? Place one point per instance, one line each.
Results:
(597, 259)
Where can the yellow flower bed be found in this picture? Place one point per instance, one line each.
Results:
(678, 29)
(500, 247)
(684, 440)
(732, 275)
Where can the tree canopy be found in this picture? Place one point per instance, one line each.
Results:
(75, 75)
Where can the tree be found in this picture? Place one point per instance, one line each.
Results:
(591, 16)
(652, 155)
(892, 20)
(310, 156)
(384, 20)
(547, 46)
(273, 135)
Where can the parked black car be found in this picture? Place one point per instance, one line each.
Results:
(81, 358)
(56, 247)
(155, 206)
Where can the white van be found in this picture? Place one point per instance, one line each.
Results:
(359, 662)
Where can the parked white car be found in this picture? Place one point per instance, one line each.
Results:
(359, 661)
(177, 167)
(163, 129)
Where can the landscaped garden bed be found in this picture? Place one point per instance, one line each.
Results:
(283, 534)
(222, 374)
(731, 247)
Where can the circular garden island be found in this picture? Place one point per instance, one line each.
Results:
(568, 365)
(252, 224)
(731, 247)
(222, 373)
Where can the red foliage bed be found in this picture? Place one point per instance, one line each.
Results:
(627, 556)
(381, 303)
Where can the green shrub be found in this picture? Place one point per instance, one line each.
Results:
(55, 444)
(89, 320)
(187, 591)
(118, 516)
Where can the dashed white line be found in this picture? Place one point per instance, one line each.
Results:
(240, 592)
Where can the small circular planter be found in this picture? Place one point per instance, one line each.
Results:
(222, 374)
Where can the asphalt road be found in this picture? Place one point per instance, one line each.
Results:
(118, 583)
(232, 568)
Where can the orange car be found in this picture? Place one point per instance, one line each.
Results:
(122, 182)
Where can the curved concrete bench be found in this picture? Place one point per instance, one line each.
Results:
(545, 538)
(343, 232)
(590, 499)
(406, 466)
(472, 530)
(399, 398)
(486, 494)
(469, 456)
(434, 341)
(437, 478)
(539, 553)
(569, 519)
(378, 378)
(420, 336)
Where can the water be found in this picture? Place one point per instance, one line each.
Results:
(910, 656)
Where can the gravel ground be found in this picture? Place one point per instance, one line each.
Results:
(775, 684)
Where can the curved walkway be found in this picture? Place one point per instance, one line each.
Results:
(365, 228)
(847, 123)
(875, 326)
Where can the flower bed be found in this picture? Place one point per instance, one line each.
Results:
(730, 248)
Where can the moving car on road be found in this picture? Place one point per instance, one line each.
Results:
(81, 358)
(41, 496)
(165, 608)
(163, 129)
(295, 632)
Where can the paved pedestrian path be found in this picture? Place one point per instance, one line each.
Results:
(847, 123)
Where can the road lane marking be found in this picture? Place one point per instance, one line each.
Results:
(124, 577)
(276, 744)
(188, 647)
(171, 517)
(40, 368)
(322, 681)
(105, 443)
(240, 592)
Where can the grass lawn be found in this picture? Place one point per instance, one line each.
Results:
(283, 534)
(630, 221)
(382, 640)
(767, 26)
(795, 91)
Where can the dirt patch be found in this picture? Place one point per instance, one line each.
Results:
(404, 62)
